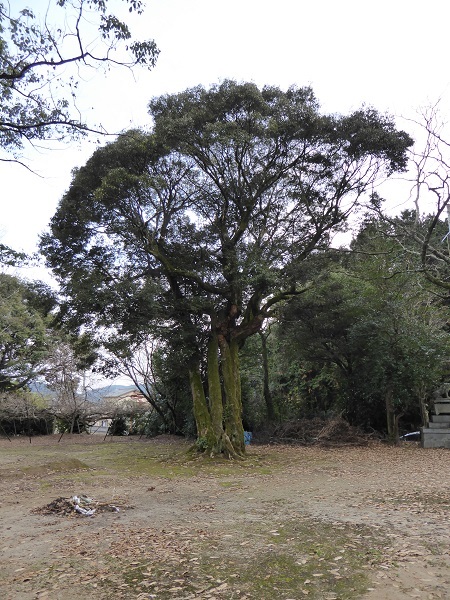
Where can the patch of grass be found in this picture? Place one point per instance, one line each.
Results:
(302, 557)
(169, 461)
(281, 575)
(230, 484)
(130, 457)
(57, 466)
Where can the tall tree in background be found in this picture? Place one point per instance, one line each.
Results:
(25, 338)
(204, 224)
(43, 58)
(404, 330)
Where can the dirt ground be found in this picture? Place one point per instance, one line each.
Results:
(291, 522)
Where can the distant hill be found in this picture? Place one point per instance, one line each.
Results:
(40, 388)
(93, 394)
(109, 390)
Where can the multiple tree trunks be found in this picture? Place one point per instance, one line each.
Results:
(219, 416)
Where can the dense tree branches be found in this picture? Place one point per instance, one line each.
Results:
(202, 226)
(43, 58)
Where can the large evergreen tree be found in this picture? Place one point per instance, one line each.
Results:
(198, 230)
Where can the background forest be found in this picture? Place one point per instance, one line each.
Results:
(368, 341)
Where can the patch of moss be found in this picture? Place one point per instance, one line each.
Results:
(170, 461)
(230, 484)
(133, 458)
(300, 557)
(65, 465)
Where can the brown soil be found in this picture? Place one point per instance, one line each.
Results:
(178, 519)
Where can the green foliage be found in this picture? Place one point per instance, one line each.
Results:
(25, 338)
(367, 339)
(127, 247)
(33, 350)
(37, 87)
(119, 426)
(254, 410)
(201, 443)
(10, 257)
(67, 424)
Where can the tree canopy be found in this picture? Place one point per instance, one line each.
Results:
(200, 228)
(42, 60)
(24, 331)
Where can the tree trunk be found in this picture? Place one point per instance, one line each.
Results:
(424, 411)
(234, 429)
(214, 386)
(219, 418)
(205, 434)
(392, 418)
(270, 408)
(219, 422)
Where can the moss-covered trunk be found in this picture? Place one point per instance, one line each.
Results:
(214, 386)
(219, 417)
(229, 352)
(205, 433)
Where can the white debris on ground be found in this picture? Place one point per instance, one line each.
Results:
(80, 505)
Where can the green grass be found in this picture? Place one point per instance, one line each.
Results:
(308, 558)
(171, 461)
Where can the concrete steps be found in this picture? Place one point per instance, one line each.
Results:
(437, 435)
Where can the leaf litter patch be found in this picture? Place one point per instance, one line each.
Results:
(80, 506)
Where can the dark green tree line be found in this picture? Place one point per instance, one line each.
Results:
(370, 339)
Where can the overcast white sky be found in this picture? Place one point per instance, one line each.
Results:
(393, 55)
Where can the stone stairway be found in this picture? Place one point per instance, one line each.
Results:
(437, 434)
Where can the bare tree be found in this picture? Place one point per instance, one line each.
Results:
(137, 363)
(70, 405)
(431, 192)
(423, 234)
